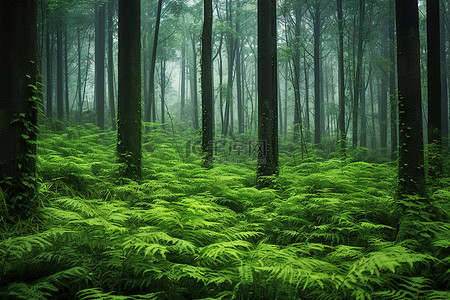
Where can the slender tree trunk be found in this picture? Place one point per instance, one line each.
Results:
(100, 66)
(434, 89)
(163, 93)
(362, 98)
(342, 132)
(183, 80)
(66, 74)
(207, 86)
(392, 79)
(267, 91)
(307, 120)
(49, 79)
(444, 82)
(18, 54)
(240, 104)
(194, 91)
(111, 91)
(59, 75)
(129, 94)
(384, 88)
(150, 113)
(411, 171)
(357, 86)
(80, 103)
(317, 72)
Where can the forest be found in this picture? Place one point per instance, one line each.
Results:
(224, 149)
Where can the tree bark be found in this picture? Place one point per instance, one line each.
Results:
(411, 170)
(59, 75)
(434, 89)
(342, 133)
(150, 111)
(207, 86)
(267, 92)
(129, 94)
(444, 82)
(49, 79)
(100, 66)
(317, 73)
(111, 92)
(19, 104)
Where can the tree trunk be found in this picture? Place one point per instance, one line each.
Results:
(393, 99)
(411, 171)
(342, 134)
(267, 91)
(66, 75)
(357, 86)
(444, 83)
(434, 89)
(49, 79)
(317, 72)
(111, 92)
(194, 91)
(129, 94)
(150, 111)
(207, 88)
(183, 80)
(80, 103)
(59, 75)
(383, 111)
(18, 112)
(100, 66)
(240, 104)
(163, 93)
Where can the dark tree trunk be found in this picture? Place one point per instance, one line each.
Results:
(150, 111)
(392, 80)
(129, 94)
(66, 75)
(384, 89)
(100, 65)
(183, 80)
(111, 92)
(357, 86)
(59, 75)
(444, 82)
(267, 91)
(49, 79)
(434, 88)
(207, 86)
(18, 40)
(194, 91)
(317, 73)
(80, 103)
(342, 134)
(163, 93)
(308, 127)
(240, 104)
(411, 171)
(295, 75)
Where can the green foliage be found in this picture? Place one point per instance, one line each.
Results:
(325, 230)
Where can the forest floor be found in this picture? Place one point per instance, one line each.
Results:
(327, 229)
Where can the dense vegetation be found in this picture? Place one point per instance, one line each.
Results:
(327, 229)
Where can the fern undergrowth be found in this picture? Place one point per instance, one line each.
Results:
(326, 230)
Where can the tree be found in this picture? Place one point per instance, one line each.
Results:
(411, 170)
(267, 91)
(342, 134)
(207, 88)
(59, 75)
(434, 87)
(444, 83)
(129, 89)
(112, 106)
(150, 111)
(18, 109)
(100, 17)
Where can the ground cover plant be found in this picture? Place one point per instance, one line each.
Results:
(326, 229)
